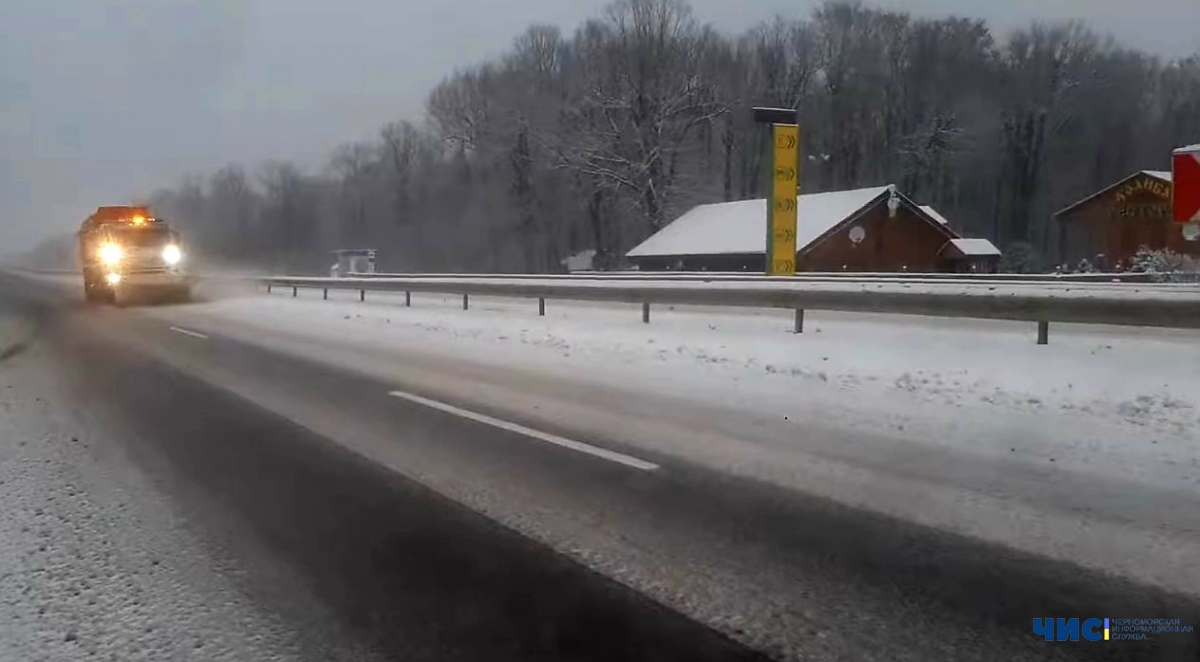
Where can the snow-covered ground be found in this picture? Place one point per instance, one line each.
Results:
(94, 562)
(1141, 379)
(15, 331)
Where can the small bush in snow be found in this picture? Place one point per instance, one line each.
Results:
(1020, 257)
(1166, 264)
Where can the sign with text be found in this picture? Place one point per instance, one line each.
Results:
(781, 206)
(1144, 187)
(1186, 184)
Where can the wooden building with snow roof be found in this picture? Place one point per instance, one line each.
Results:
(855, 231)
(1116, 221)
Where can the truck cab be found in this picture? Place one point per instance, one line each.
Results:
(123, 250)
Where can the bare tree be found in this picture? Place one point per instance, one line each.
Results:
(233, 201)
(596, 139)
(1045, 68)
(290, 212)
(401, 141)
(354, 166)
(644, 96)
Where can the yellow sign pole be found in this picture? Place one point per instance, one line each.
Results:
(782, 202)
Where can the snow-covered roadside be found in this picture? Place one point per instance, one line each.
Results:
(94, 562)
(15, 332)
(1123, 401)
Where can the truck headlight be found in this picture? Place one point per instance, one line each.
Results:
(171, 254)
(111, 254)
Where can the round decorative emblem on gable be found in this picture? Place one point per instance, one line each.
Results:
(857, 234)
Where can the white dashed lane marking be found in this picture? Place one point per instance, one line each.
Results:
(194, 334)
(579, 446)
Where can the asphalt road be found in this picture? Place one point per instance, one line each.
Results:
(423, 576)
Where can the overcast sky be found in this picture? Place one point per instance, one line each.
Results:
(102, 100)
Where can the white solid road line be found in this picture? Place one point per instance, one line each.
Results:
(185, 332)
(612, 456)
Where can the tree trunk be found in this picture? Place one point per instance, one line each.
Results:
(651, 201)
(727, 175)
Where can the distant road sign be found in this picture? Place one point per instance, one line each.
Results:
(781, 214)
(1186, 184)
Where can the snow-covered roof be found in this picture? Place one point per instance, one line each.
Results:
(975, 247)
(935, 215)
(1159, 174)
(1189, 148)
(741, 227)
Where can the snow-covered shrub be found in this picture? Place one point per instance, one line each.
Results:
(1020, 258)
(1166, 264)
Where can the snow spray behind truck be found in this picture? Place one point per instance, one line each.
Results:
(123, 250)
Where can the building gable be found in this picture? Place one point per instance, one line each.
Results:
(1108, 227)
(1142, 187)
(873, 240)
(913, 212)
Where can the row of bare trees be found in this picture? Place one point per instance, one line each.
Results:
(597, 139)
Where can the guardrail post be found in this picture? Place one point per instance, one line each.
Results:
(464, 301)
(408, 298)
(294, 290)
(1043, 333)
(268, 288)
(799, 327)
(645, 312)
(325, 293)
(541, 306)
(362, 295)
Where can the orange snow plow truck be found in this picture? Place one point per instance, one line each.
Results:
(123, 250)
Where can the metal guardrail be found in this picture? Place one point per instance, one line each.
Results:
(1129, 306)
(1176, 278)
(834, 276)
